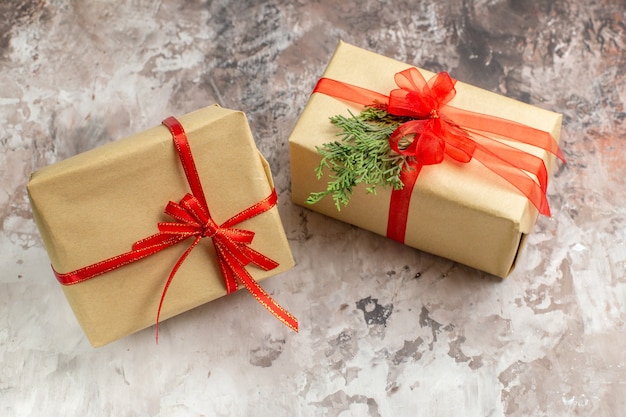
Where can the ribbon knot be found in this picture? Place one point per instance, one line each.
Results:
(210, 229)
(190, 212)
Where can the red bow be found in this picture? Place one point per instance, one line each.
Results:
(438, 129)
(194, 220)
(435, 134)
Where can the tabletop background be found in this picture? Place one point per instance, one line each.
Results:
(386, 330)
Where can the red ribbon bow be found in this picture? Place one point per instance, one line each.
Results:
(194, 220)
(438, 129)
(435, 134)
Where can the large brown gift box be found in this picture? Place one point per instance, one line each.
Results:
(95, 205)
(462, 212)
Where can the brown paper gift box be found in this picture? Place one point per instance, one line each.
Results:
(97, 204)
(462, 212)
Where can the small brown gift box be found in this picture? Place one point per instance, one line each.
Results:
(95, 205)
(462, 212)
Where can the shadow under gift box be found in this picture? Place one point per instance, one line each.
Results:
(463, 212)
(95, 205)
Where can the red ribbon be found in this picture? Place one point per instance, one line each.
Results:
(193, 220)
(440, 130)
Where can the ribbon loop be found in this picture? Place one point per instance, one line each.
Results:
(209, 229)
(417, 98)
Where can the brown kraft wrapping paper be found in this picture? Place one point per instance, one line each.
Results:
(462, 212)
(95, 205)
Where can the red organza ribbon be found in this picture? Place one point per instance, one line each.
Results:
(439, 130)
(193, 220)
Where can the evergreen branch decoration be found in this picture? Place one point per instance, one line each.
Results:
(362, 155)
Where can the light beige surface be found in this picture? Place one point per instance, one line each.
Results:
(95, 205)
(459, 211)
(386, 330)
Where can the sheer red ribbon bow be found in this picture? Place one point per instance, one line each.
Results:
(193, 220)
(438, 130)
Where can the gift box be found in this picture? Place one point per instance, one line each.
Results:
(466, 206)
(123, 261)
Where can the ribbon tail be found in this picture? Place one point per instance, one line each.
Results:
(259, 293)
(170, 278)
(507, 129)
(400, 201)
(516, 157)
(268, 302)
(227, 272)
(514, 176)
(260, 260)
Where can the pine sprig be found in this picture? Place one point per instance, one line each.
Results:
(362, 155)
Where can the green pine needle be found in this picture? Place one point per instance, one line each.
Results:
(362, 155)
